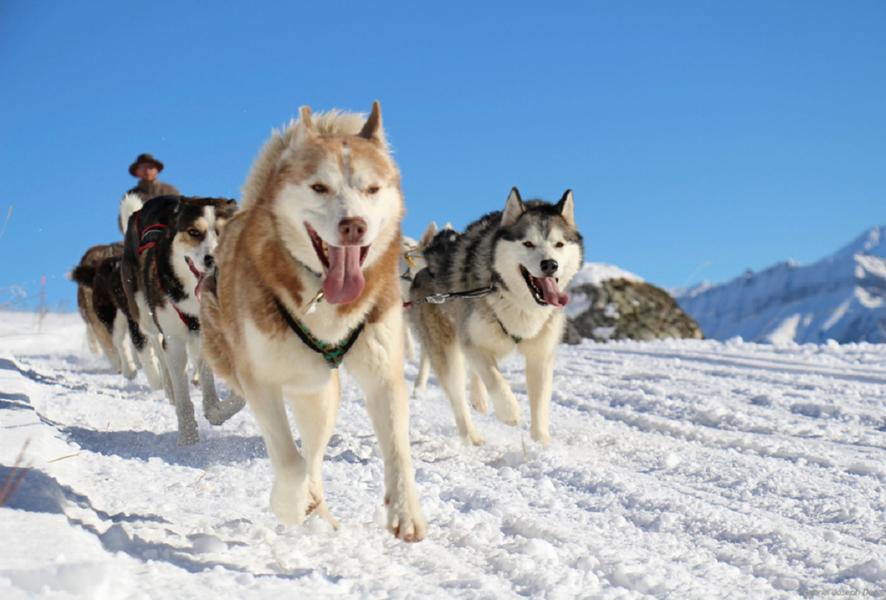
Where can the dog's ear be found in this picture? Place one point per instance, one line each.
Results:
(372, 129)
(428, 235)
(566, 206)
(513, 208)
(304, 129)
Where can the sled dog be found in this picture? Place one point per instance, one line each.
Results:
(307, 280)
(167, 251)
(526, 255)
(103, 328)
(412, 260)
(102, 282)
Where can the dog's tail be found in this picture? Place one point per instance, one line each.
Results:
(130, 204)
(84, 274)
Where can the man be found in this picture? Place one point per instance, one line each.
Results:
(146, 168)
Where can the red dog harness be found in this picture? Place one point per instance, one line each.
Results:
(190, 321)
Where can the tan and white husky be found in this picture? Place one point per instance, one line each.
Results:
(307, 279)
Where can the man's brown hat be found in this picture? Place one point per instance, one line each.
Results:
(145, 158)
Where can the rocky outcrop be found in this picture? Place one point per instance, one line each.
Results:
(623, 308)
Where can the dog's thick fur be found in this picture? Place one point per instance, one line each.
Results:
(322, 172)
(509, 250)
(162, 272)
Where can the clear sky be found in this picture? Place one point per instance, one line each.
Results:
(700, 138)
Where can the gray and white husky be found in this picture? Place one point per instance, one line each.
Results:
(527, 254)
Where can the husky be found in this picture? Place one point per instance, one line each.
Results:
(103, 328)
(167, 251)
(306, 281)
(412, 261)
(103, 283)
(524, 257)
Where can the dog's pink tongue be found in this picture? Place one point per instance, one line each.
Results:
(344, 281)
(551, 292)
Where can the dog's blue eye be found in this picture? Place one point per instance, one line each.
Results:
(319, 188)
(194, 233)
(529, 244)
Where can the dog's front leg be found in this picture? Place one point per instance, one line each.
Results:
(539, 384)
(290, 493)
(376, 361)
(176, 358)
(539, 353)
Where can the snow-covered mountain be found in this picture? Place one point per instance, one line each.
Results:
(841, 297)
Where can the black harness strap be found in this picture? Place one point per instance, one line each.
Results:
(517, 339)
(333, 354)
(447, 296)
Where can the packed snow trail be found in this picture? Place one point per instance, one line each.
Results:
(682, 469)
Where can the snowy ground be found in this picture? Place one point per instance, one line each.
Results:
(678, 469)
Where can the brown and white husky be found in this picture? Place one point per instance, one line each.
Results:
(306, 280)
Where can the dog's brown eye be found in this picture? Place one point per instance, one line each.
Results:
(320, 188)
(372, 189)
(529, 244)
(195, 233)
(559, 245)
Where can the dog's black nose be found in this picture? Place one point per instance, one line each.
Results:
(549, 266)
(209, 261)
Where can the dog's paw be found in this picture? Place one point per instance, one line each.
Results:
(405, 520)
(290, 499)
(472, 438)
(479, 398)
(222, 411)
(542, 437)
(506, 409)
(188, 436)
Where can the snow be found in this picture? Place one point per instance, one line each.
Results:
(840, 297)
(594, 274)
(678, 468)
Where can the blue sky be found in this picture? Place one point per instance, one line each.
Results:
(700, 138)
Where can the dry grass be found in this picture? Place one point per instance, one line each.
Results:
(15, 476)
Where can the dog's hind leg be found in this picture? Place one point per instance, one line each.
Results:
(121, 344)
(409, 342)
(479, 397)
(483, 364)
(424, 371)
(147, 356)
(109, 349)
(315, 417)
(440, 345)
(449, 365)
(290, 492)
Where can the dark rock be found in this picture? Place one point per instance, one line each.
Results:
(571, 334)
(623, 309)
